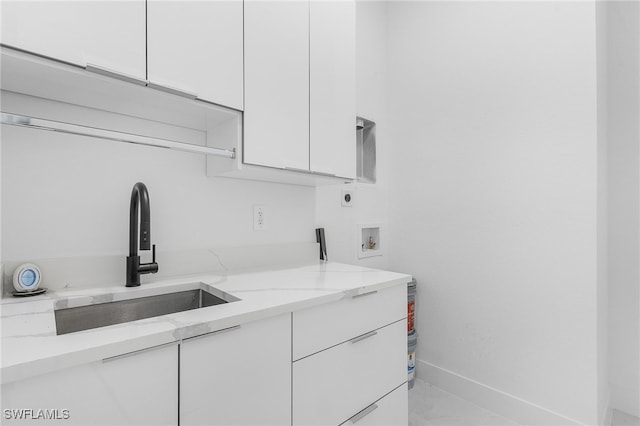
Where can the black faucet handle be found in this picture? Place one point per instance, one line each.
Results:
(151, 267)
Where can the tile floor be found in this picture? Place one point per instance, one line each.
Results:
(619, 418)
(431, 406)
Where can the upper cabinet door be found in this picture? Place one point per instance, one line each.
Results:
(276, 115)
(333, 87)
(196, 47)
(107, 34)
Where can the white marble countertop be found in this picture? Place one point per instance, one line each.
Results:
(31, 347)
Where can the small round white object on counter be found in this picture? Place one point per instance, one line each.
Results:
(27, 278)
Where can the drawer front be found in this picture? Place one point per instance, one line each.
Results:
(392, 410)
(333, 385)
(241, 376)
(324, 326)
(138, 388)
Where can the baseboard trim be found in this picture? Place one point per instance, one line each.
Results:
(625, 398)
(608, 416)
(503, 403)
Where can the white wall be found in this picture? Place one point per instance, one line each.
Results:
(65, 196)
(623, 75)
(370, 200)
(494, 207)
(1, 264)
(603, 225)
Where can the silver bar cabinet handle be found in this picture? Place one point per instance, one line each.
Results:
(364, 336)
(97, 69)
(224, 330)
(172, 90)
(364, 294)
(364, 413)
(128, 354)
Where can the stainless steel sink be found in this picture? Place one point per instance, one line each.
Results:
(70, 320)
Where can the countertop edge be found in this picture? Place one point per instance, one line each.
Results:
(32, 368)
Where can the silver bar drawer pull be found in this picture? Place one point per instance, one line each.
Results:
(323, 173)
(364, 294)
(97, 69)
(364, 336)
(223, 330)
(364, 413)
(294, 169)
(128, 354)
(172, 90)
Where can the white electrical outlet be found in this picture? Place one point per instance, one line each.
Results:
(259, 218)
(347, 197)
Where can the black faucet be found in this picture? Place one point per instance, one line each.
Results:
(139, 197)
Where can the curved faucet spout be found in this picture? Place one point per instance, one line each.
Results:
(139, 203)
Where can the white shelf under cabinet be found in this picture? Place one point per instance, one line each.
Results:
(51, 90)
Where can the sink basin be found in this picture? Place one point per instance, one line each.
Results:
(70, 320)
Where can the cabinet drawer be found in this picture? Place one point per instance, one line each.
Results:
(241, 376)
(392, 410)
(139, 388)
(323, 326)
(333, 385)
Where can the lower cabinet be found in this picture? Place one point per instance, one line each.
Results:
(392, 409)
(334, 385)
(341, 363)
(140, 388)
(238, 376)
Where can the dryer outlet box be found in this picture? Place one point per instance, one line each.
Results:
(347, 197)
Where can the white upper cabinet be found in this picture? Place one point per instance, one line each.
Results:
(300, 85)
(276, 115)
(333, 87)
(196, 47)
(105, 34)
